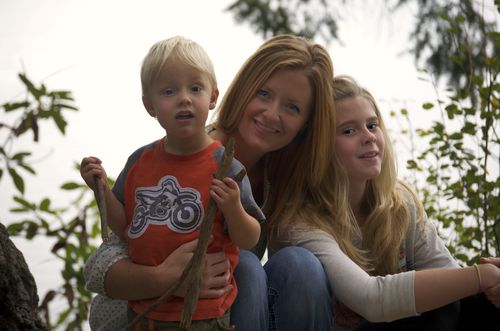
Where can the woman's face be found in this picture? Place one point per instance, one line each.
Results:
(277, 112)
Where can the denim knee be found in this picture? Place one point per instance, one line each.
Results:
(299, 295)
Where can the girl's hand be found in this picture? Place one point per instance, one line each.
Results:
(91, 167)
(492, 293)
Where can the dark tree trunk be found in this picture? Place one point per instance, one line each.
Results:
(18, 292)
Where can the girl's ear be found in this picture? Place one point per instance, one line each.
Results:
(213, 98)
(149, 106)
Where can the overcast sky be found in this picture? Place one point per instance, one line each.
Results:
(94, 48)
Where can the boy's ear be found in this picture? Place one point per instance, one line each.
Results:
(149, 106)
(213, 98)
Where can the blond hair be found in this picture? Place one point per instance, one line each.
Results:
(386, 202)
(186, 50)
(296, 172)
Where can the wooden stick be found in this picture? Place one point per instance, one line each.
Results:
(193, 271)
(101, 205)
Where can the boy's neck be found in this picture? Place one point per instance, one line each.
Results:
(186, 146)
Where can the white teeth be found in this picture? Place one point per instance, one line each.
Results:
(265, 128)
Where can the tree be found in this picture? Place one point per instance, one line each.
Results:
(431, 42)
(68, 226)
(460, 161)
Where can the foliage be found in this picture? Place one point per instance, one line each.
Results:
(300, 17)
(68, 226)
(458, 165)
(436, 39)
(430, 40)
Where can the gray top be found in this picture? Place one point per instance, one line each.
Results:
(375, 298)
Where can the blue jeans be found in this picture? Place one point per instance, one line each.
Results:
(290, 292)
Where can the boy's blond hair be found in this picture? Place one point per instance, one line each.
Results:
(186, 50)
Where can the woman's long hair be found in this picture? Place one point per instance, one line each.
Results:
(296, 172)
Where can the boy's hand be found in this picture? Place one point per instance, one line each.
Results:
(90, 167)
(226, 194)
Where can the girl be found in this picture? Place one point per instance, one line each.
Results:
(383, 259)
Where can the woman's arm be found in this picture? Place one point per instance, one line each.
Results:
(110, 272)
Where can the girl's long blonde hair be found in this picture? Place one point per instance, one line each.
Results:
(297, 171)
(376, 246)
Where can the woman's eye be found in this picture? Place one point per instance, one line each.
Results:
(293, 108)
(263, 93)
(372, 126)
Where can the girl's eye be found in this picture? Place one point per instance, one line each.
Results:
(372, 126)
(347, 131)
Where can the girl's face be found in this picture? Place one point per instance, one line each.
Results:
(359, 139)
(277, 112)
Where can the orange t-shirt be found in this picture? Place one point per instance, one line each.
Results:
(165, 197)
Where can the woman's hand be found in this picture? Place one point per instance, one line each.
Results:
(215, 277)
(492, 293)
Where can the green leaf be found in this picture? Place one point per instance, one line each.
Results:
(18, 180)
(428, 105)
(20, 155)
(71, 186)
(24, 203)
(8, 107)
(45, 204)
(30, 86)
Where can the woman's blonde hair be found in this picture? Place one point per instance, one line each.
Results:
(296, 172)
(186, 50)
(386, 202)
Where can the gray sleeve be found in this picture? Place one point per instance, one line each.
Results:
(248, 201)
(376, 298)
(430, 250)
(101, 260)
(424, 248)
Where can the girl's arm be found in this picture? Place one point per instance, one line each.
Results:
(391, 297)
(437, 287)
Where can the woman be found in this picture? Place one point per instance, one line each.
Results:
(278, 111)
(383, 259)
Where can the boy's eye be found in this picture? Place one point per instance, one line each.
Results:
(168, 92)
(196, 89)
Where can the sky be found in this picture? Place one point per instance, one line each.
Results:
(94, 49)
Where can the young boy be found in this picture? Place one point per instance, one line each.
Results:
(160, 197)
